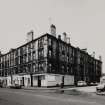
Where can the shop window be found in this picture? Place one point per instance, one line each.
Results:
(35, 77)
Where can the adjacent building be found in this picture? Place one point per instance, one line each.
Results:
(49, 61)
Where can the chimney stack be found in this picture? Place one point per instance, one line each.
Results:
(53, 30)
(30, 36)
(68, 40)
(100, 58)
(93, 54)
(64, 37)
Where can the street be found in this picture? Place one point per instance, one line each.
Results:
(35, 97)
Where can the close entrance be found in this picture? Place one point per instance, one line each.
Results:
(39, 81)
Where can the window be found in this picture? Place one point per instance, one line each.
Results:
(34, 67)
(49, 42)
(45, 51)
(35, 77)
(45, 41)
(62, 67)
(29, 57)
(28, 80)
(29, 48)
(41, 43)
(21, 51)
(67, 59)
(67, 69)
(49, 53)
(49, 67)
(41, 54)
(18, 52)
(34, 55)
(41, 67)
(43, 77)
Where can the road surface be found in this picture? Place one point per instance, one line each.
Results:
(35, 97)
(89, 89)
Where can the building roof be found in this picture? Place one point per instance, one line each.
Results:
(47, 34)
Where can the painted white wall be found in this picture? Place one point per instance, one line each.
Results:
(44, 82)
(68, 80)
(35, 81)
(8, 81)
(27, 80)
(49, 80)
(53, 79)
(17, 80)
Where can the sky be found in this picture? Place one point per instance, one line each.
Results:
(82, 20)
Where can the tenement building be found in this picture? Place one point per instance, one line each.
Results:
(49, 61)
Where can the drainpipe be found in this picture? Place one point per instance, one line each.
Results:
(31, 76)
(11, 77)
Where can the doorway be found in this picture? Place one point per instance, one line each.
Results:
(39, 81)
(22, 81)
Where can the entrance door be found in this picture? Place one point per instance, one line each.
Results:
(62, 81)
(39, 81)
(22, 81)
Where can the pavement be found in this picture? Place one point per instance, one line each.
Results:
(41, 89)
(88, 89)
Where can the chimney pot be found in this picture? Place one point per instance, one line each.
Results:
(59, 37)
(64, 37)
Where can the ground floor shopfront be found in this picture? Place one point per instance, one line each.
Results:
(39, 80)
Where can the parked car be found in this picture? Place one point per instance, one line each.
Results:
(81, 83)
(100, 87)
(16, 86)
